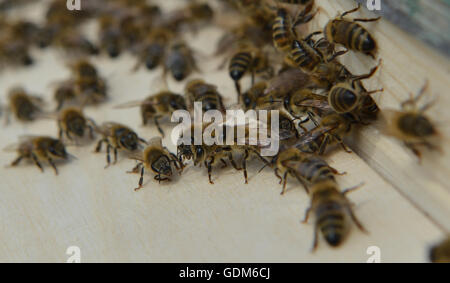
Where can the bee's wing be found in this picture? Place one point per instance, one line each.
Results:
(130, 104)
(155, 141)
(320, 104)
(136, 156)
(11, 147)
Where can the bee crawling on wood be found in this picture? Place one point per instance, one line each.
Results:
(306, 168)
(117, 137)
(157, 106)
(198, 90)
(350, 34)
(332, 212)
(73, 123)
(24, 106)
(39, 149)
(411, 125)
(179, 61)
(157, 159)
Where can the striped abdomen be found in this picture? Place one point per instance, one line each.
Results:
(210, 100)
(239, 65)
(314, 170)
(281, 31)
(354, 36)
(330, 219)
(342, 100)
(304, 56)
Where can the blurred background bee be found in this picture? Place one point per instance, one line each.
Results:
(23, 106)
(39, 149)
(73, 124)
(440, 253)
(411, 125)
(179, 61)
(158, 106)
(157, 159)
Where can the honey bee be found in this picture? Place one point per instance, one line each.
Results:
(110, 36)
(117, 137)
(199, 91)
(305, 101)
(40, 149)
(440, 253)
(307, 169)
(74, 41)
(72, 122)
(332, 211)
(179, 61)
(331, 130)
(345, 97)
(15, 52)
(91, 91)
(154, 48)
(253, 97)
(248, 59)
(350, 34)
(158, 106)
(64, 93)
(157, 159)
(283, 29)
(24, 106)
(288, 81)
(411, 125)
(83, 69)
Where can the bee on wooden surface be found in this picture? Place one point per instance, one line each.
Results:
(306, 102)
(440, 253)
(411, 125)
(73, 123)
(110, 36)
(91, 91)
(332, 211)
(199, 91)
(154, 48)
(333, 127)
(83, 69)
(158, 106)
(180, 61)
(350, 34)
(346, 96)
(14, 52)
(248, 59)
(74, 42)
(157, 159)
(64, 93)
(117, 137)
(283, 29)
(24, 106)
(307, 169)
(39, 149)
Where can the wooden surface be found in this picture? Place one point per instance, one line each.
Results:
(403, 205)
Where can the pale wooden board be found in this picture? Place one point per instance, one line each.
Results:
(190, 220)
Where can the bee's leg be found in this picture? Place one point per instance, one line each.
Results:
(337, 54)
(244, 166)
(336, 172)
(36, 161)
(351, 11)
(284, 183)
(208, 165)
(324, 144)
(238, 88)
(303, 17)
(306, 217)
(99, 145)
(61, 132)
(341, 142)
(357, 222)
(224, 163)
(143, 141)
(349, 190)
(158, 126)
(316, 238)
(135, 169)
(53, 165)
(17, 161)
(108, 155)
(91, 132)
(367, 20)
(233, 162)
(278, 176)
(305, 186)
(141, 179)
(115, 155)
(415, 151)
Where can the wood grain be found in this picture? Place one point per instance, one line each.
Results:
(191, 220)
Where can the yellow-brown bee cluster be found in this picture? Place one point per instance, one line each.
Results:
(296, 72)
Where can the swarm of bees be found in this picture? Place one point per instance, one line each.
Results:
(320, 101)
